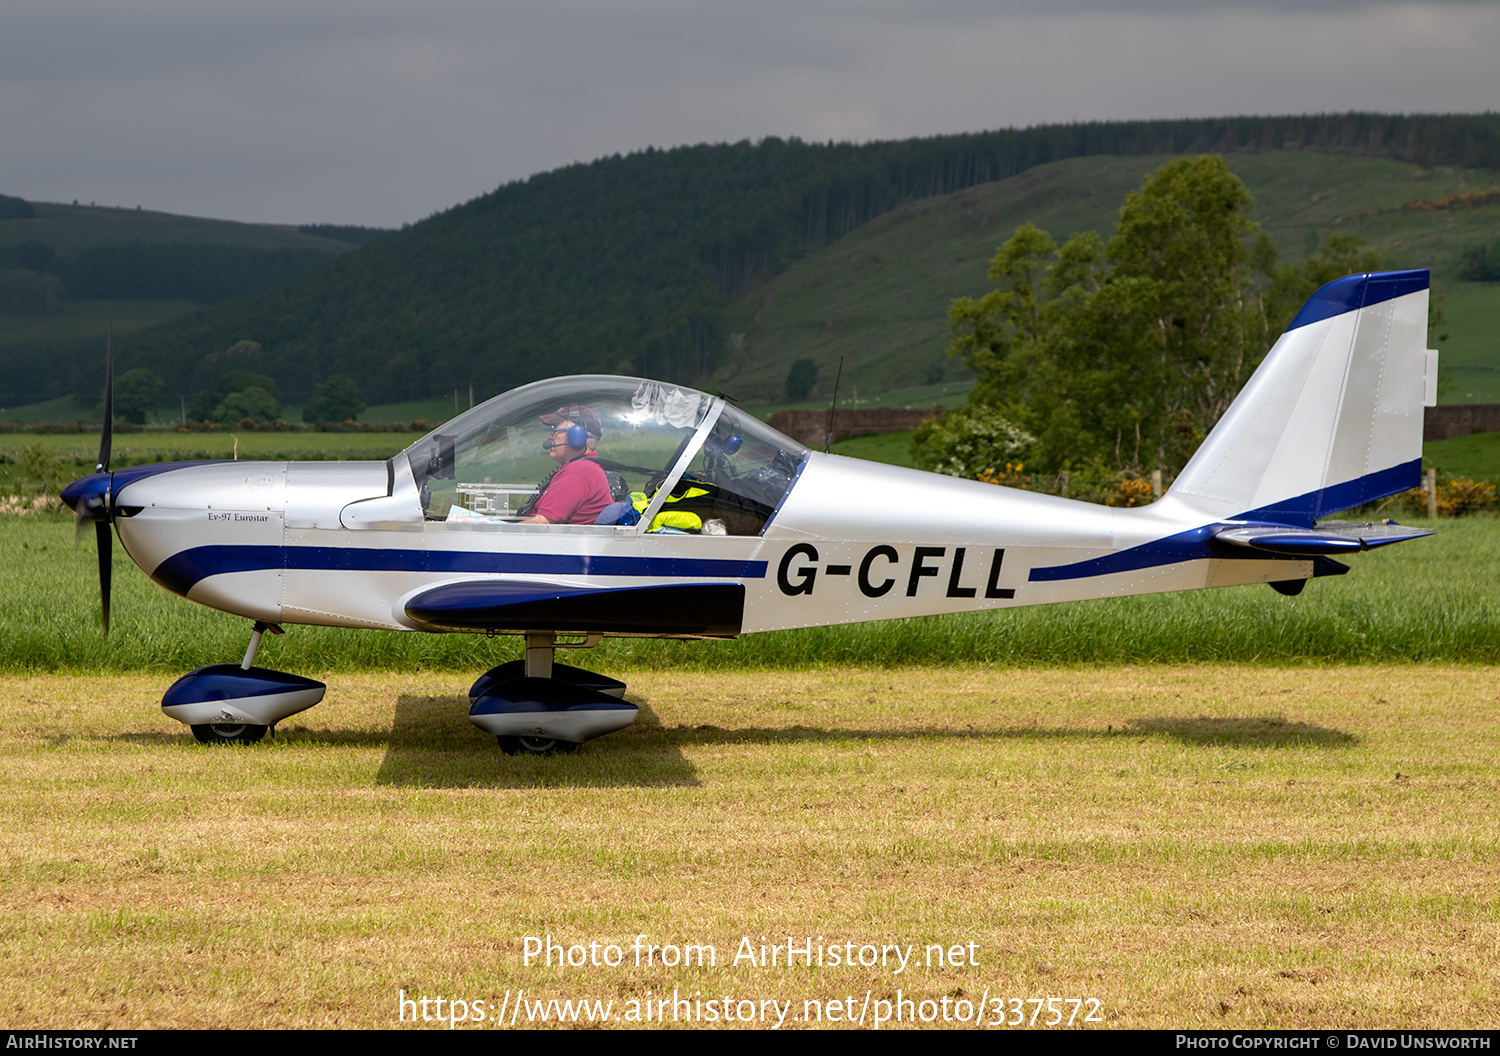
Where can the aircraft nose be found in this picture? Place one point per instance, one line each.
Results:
(87, 497)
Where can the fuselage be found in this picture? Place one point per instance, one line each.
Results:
(738, 528)
(347, 544)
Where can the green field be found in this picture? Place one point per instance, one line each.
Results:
(144, 447)
(75, 454)
(1473, 353)
(1476, 456)
(62, 409)
(879, 296)
(434, 412)
(894, 449)
(1427, 601)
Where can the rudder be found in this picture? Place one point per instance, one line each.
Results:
(1333, 417)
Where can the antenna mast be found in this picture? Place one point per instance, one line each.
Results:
(834, 406)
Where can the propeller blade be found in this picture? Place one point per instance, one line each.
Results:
(106, 547)
(107, 430)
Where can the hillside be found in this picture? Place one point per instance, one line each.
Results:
(73, 227)
(134, 267)
(879, 296)
(625, 263)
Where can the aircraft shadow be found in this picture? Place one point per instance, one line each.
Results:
(152, 737)
(1264, 731)
(432, 744)
(1248, 732)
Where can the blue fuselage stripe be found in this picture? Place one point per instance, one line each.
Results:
(1302, 511)
(182, 571)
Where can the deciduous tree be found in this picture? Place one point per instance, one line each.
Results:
(800, 379)
(338, 400)
(135, 395)
(1126, 353)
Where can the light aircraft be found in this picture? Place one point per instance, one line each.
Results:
(737, 529)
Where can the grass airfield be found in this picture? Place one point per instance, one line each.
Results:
(1217, 846)
(1217, 809)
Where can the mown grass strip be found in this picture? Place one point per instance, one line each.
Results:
(1151, 836)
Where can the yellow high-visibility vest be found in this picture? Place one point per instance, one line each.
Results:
(684, 520)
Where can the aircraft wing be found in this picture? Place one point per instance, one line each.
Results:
(1330, 537)
(674, 610)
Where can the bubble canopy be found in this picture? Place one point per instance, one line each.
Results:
(676, 447)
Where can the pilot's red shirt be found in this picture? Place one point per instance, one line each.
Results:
(576, 494)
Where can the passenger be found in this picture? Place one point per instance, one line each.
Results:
(674, 519)
(577, 491)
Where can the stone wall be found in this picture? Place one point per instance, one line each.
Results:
(1460, 419)
(811, 427)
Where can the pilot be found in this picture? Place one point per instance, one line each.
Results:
(577, 491)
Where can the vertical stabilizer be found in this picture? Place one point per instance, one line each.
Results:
(1333, 416)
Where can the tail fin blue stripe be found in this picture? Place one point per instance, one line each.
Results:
(1304, 511)
(1354, 292)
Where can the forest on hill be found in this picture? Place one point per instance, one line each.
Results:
(625, 264)
(72, 271)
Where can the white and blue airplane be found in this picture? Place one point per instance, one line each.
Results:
(726, 527)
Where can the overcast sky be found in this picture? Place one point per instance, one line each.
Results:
(379, 112)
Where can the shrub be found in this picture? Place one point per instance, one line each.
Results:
(968, 442)
(1012, 476)
(1133, 491)
(1455, 498)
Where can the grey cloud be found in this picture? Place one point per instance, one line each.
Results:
(379, 112)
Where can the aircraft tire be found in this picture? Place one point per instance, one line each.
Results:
(536, 746)
(228, 733)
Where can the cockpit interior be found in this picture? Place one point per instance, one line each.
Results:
(676, 460)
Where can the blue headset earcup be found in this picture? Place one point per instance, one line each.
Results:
(578, 437)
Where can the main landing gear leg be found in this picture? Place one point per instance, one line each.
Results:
(238, 704)
(539, 650)
(261, 627)
(537, 707)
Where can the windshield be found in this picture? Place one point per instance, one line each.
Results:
(489, 462)
(744, 467)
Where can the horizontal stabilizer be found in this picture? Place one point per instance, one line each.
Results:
(674, 610)
(1331, 537)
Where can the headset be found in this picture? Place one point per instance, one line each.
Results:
(578, 436)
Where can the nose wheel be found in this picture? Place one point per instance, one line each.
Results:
(536, 746)
(238, 703)
(228, 733)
